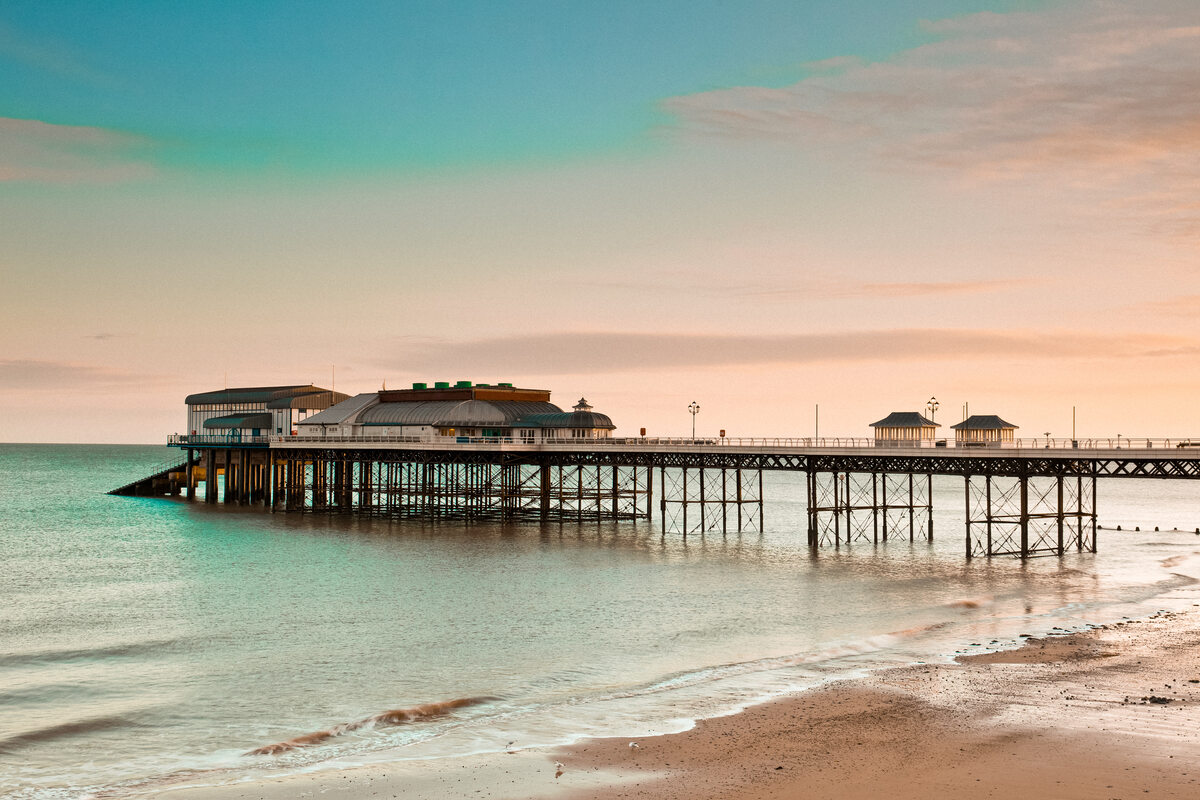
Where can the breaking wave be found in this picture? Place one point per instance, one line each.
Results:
(396, 716)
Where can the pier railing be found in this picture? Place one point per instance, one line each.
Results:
(215, 440)
(834, 442)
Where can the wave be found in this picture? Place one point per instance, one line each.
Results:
(64, 730)
(90, 653)
(842, 650)
(396, 716)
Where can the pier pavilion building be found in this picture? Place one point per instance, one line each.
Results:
(905, 429)
(983, 430)
(462, 411)
(256, 410)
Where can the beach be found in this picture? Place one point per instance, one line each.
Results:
(1112, 712)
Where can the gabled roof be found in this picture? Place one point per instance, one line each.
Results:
(982, 422)
(343, 411)
(252, 394)
(905, 419)
(313, 400)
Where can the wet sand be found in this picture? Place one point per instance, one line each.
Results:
(1108, 713)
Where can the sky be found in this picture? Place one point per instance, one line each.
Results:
(762, 207)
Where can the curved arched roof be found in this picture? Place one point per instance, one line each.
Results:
(568, 419)
(454, 413)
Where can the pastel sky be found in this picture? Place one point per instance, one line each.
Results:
(758, 206)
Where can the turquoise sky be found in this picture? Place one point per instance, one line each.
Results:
(304, 87)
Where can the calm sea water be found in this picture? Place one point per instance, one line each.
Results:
(144, 640)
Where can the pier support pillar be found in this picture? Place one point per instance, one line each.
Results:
(1029, 515)
(848, 507)
(544, 490)
(210, 476)
(709, 500)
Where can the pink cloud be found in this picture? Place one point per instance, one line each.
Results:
(1097, 94)
(619, 352)
(39, 152)
(784, 288)
(32, 375)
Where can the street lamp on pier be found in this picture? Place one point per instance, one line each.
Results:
(932, 407)
(694, 408)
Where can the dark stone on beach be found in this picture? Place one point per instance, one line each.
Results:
(1162, 701)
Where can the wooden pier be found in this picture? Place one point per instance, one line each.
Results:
(1036, 497)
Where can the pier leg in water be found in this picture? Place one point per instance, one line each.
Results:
(1029, 515)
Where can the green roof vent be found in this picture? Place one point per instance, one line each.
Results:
(420, 386)
(441, 385)
(463, 385)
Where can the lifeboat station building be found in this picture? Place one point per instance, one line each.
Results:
(463, 411)
(905, 429)
(983, 430)
(256, 411)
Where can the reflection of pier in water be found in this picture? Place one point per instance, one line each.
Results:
(1029, 497)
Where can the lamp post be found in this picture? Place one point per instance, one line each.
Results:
(932, 406)
(1047, 435)
(694, 408)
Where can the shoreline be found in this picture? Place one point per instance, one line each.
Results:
(1061, 716)
(1080, 715)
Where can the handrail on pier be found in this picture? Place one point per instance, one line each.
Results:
(772, 442)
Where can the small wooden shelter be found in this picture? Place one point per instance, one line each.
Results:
(983, 430)
(904, 429)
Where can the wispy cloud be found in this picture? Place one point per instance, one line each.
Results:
(50, 56)
(1094, 92)
(631, 352)
(28, 375)
(836, 290)
(813, 288)
(39, 152)
(1182, 306)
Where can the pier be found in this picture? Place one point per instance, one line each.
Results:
(1021, 498)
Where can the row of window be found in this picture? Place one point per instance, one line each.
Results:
(228, 407)
(234, 407)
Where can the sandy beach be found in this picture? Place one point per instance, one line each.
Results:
(1112, 712)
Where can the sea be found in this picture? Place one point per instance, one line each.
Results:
(153, 642)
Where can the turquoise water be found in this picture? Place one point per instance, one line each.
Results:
(144, 640)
